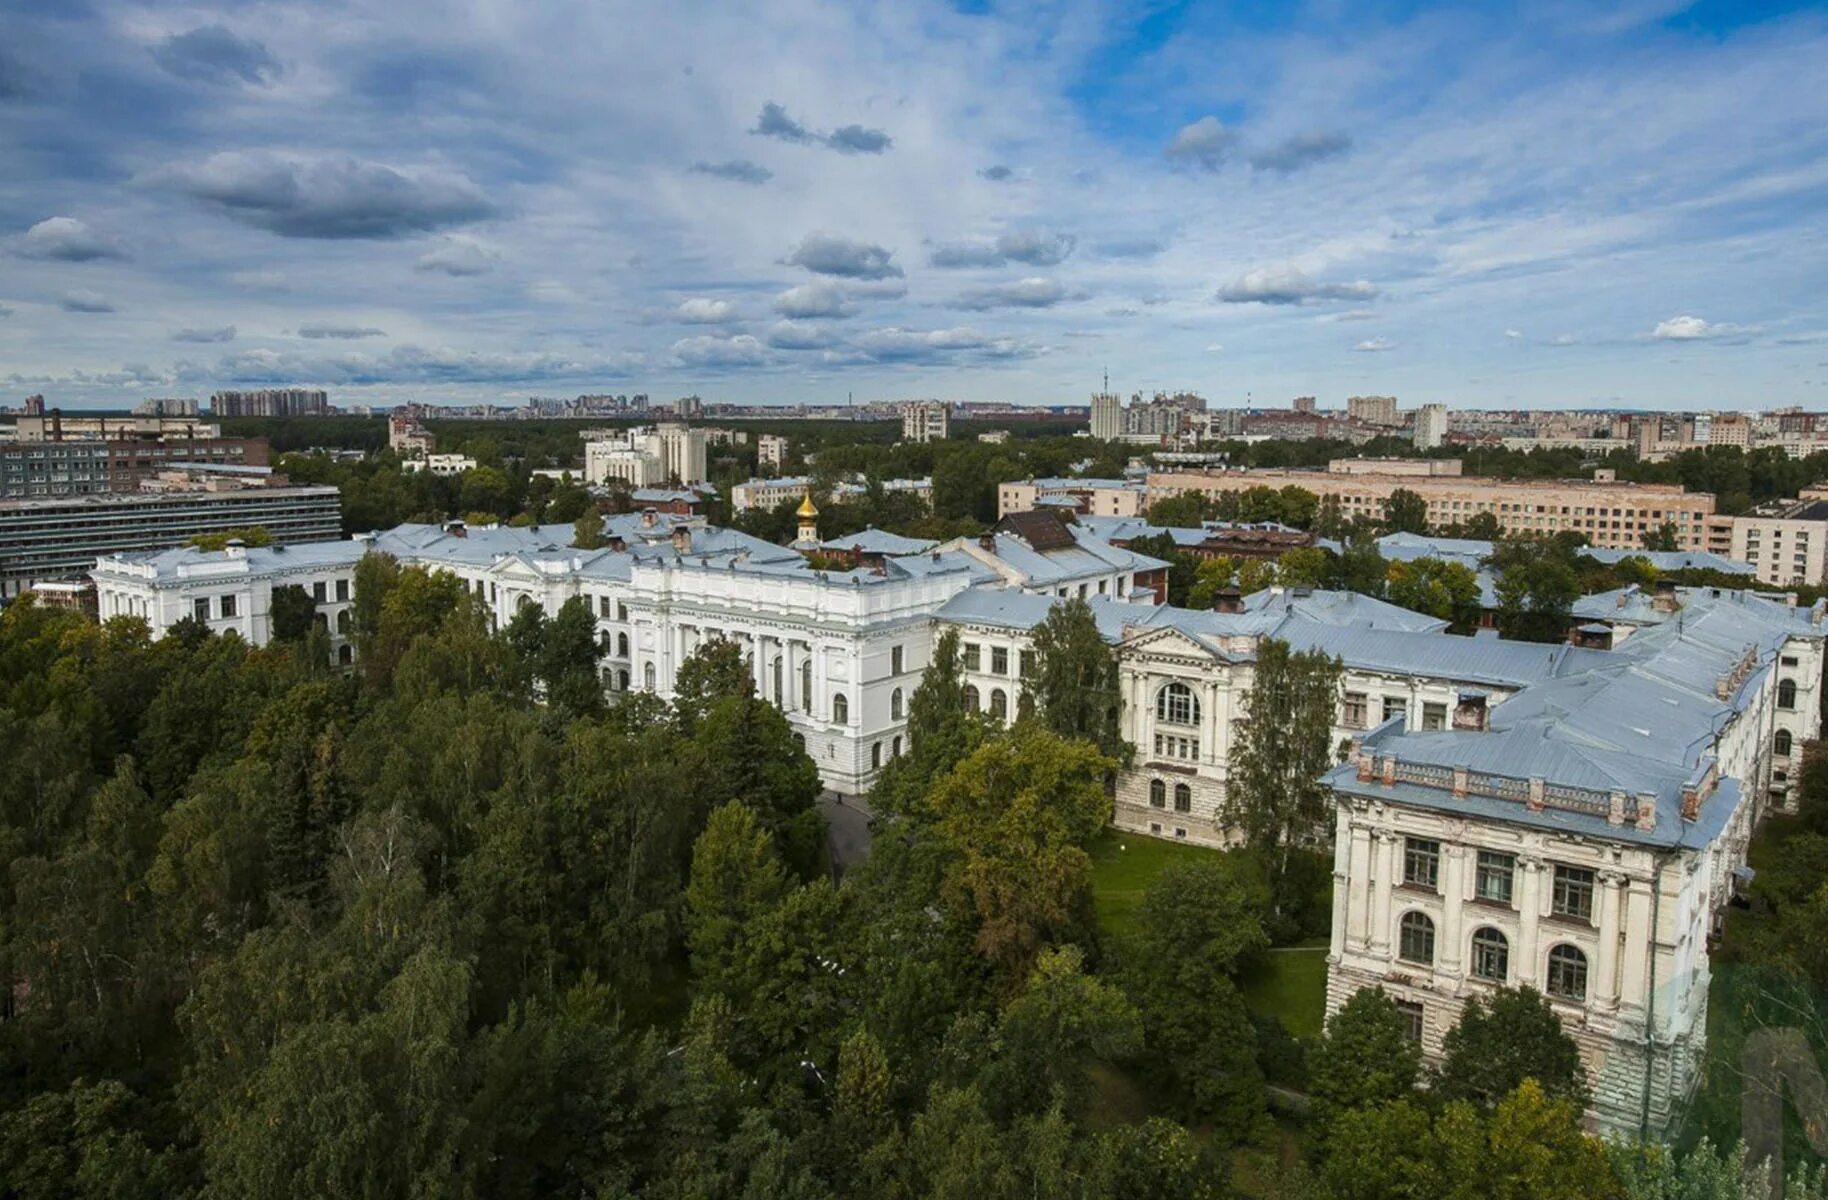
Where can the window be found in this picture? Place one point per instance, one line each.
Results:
(1492, 880)
(1352, 716)
(875, 755)
(1573, 893)
(840, 708)
(1421, 862)
(895, 748)
(999, 660)
(1788, 660)
(1434, 716)
(603, 607)
(621, 610)
(1177, 705)
(342, 590)
(806, 685)
(318, 593)
(1567, 973)
(622, 680)
(621, 645)
(1781, 743)
(1158, 794)
(1786, 693)
(972, 700)
(999, 704)
(647, 677)
(894, 660)
(228, 606)
(1025, 663)
(199, 608)
(1415, 941)
(895, 705)
(345, 655)
(342, 623)
(974, 656)
(1411, 1011)
(1183, 798)
(1167, 745)
(1395, 706)
(1491, 955)
(777, 678)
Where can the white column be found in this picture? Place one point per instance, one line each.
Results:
(1452, 943)
(1637, 948)
(1529, 914)
(1358, 888)
(1383, 882)
(1611, 894)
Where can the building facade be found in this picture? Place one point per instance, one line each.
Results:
(925, 421)
(1785, 542)
(1107, 417)
(770, 450)
(1092, 497)
(271, 402)
(1430, 426)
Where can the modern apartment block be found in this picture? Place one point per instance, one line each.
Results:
(1430, 426)
(925, 421)
(1786, 541)
(669, 452)
(54, 468)
(271, 402)
(770, 450)
(1093, 497)
(55, 539)
(1610, 513)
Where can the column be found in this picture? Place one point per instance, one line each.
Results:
(1383, 881)
(1358, 888)
(1612, 885)
(1529, 914)
(1451, 944)
(1638, 947)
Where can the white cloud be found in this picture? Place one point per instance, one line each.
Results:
(1694, 329)
(66, 239)
(815, 299)
(458, 256)
(1033, 292)
(1290, 285)
(1204, 144)
(700, 310)
(708, 351)
(82, 300)
(1373, 346)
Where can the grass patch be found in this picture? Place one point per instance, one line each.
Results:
(1290, 984)
(1123, 867)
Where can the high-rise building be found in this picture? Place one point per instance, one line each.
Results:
(1430, 426)
(271, 402)
(925, 421)
(167, 407)
(1372, 410)
(770, 450)
(1107, 416)
(1304, 404)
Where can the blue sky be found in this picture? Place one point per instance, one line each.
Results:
(1555, 204)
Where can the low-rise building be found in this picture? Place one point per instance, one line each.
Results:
(445, 465)
(1784, 542)
(770, 450)
(1092, 497)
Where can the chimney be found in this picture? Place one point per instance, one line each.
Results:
(1691, 801)
(649, 518)
(457, 529)
(682, 539)
(1647, 811)
(57, 424)
(235, 548)
(1663, 599)
(1230, 600)
(617, 544)
(1471, 713)
(987, 542)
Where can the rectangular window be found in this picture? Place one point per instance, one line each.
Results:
(317, 591)
(228, 605)
(1352, 716)
(1495, 875)
(200, 608)
(895, 660)
(342, 590)
(974, 656)
(621, 611)
(1421, 862)
(1573, 893)
(1395, 706)
(1434, 716)
(999, 660)
(1412, 1019)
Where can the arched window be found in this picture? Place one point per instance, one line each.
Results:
(895, 748)
(1177, 705)
(875, 755)
(1158, 794)
(778, 680)
(345, 654)
(622, 680)
(1183, 798)
(1567, 973)
(342, 623)
(1491, 955)
(647, 677)
(840, 708)
(895, 705)
(973, 701)
(806, 685)
(621, 645)
(1786, 693)
(1781, 743)
(999, 704)
(1415, 942)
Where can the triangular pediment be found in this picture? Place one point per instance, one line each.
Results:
(1167, 641)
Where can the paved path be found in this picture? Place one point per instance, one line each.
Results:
(847, 821)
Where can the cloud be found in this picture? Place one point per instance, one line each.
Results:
(418, 365)
(84, 301)
(1203, 144)
(1302, 151)
(801, 335)
(815, 299)
(328, 197)
(1130, 248)
(737, 170)
(212, 53)
(66, 239)
(855, 139)
(458, 256)
(1022, 246)
(775, 123)
(701, 311)
(6, 310)
(261, 281)
(848, 139)
(896, 345)
(1694, 329)
(825, 255)
(224, 334)
(1289, 285)
(1373, 346)
(1023, 293)
(997, 173)
(707, 351)
(340, 333)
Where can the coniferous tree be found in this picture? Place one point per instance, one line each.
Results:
(1275, 796)
(1072, 687)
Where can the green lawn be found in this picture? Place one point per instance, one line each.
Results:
(1123, 866)
(1291, 985)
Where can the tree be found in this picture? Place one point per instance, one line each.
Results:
(1405, 512)
(1072, 688)
(1530, 1148)
(1362, 568)
(1185, 511)
(942, 730)
(735, 879)
(293, 613)
(1365, 1059)
(1050, 1036)
(1536, 597)
(587, 531)
(1276, 797)
(1383, 1151)
(1309, 567)
(1017, 815)
(1501, 1041)
(1448, 590)
(1663, 537)
(567, 659)
(1155, 1159)
(715, 671)
(252, 535)
(1483, 526)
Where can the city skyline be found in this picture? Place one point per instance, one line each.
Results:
(427, 202)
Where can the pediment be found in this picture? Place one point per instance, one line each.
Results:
(1168, 642)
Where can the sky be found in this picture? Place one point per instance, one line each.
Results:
(1555, 204)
